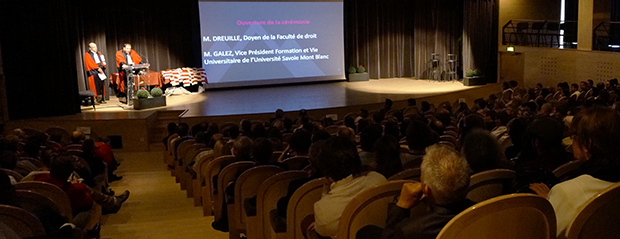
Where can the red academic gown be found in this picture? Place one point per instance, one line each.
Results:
(120, 61)
(90, 65)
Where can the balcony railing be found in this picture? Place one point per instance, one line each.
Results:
(607, 36)
(540, 33)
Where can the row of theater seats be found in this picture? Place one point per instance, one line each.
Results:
(496, 214)
(34, 194)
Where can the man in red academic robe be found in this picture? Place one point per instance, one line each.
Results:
(95, 64)
(124, 58)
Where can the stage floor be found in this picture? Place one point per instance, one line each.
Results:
(266, 99)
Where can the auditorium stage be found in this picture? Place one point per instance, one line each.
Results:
(266, 99)
(142, 130)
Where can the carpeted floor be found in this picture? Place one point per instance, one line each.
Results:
(157, 207)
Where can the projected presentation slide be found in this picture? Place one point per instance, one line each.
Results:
(258, 43)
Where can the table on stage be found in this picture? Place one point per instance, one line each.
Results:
(151, 78)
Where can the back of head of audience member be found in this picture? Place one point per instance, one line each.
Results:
(471, 122)
(349, 122)
(274, 132)
(369, 136)
(364, 113)
(88, 147)
(362, 124)
(77, 137)
(481, 150)
(171, 128)
(346, 132)
(242, 148)
(391, 128)
(287, 123)
(445, 175)
(32, 149)
(387, 154)
(201, 138)
(338, 159)
(411, 102)
(574, 87)
(183, 129)
(378, 117)
(195, 129)
(388, 104)
(313, 155)
(420, 136)
(246, 127)
(232, 132)
(258, 131)
(596, 138)
(8, 159)
(318, 135)
(543, 135)
(62, 167)
(327, 121)
(505, 85)
(425, 106)
(300, 142)
(513, 84)
(262, 149)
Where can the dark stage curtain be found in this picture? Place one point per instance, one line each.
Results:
(379, 36)
(480, 37)
(43, 45)
(37, 56)
(438, 29)
(164, 33)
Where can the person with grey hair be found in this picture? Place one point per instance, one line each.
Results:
(442, 190)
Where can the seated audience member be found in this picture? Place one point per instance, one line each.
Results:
(77, 137)
(279, 115)
(501, 130)
(595, 141)
(172, 129)
(262, 150)
(542, 146)
(387, 156)
(288, 126)
(349, 122)
(319, 135)
(443, 187)
(341, 165)
(8, 160)
(96, 164)
(258, 131)
(481, 151)
(346, 132)
(391, 128)
(278, 217)
(242, 150)
(362, 115)
(362, 124)
(419, 136)
(298, 145)
(183, 134)
(80, 195)
(104, 149)
(55, 225)
(246, 127)
(469, 123)
(516, 129)
(368, 137)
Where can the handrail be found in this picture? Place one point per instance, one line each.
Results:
(546, 33)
